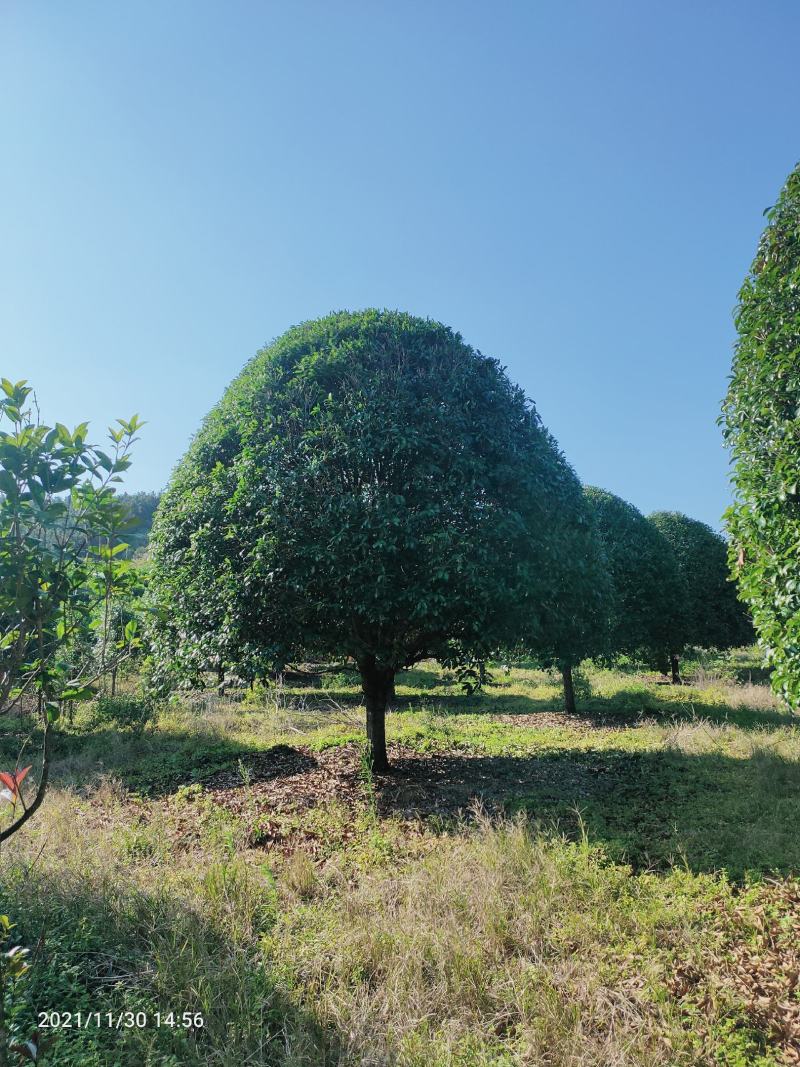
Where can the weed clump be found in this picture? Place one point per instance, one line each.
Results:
(124, 712)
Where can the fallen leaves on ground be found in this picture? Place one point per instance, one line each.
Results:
(420, 785)
(759, 964)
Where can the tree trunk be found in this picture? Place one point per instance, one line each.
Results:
(569, 690)
(376, 682)
(221, 681)
(114, 682)
(675, 667)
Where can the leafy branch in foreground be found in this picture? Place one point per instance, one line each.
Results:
(60, 549)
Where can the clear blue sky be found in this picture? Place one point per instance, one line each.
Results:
(576, 187)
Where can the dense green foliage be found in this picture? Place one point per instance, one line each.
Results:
(713, 616)
(761, 419)
(647, 614)
(369, 487)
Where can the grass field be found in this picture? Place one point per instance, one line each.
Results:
(529, 888)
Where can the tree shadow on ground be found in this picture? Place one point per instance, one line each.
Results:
(651, 809)
(110, 950)
(175, 759)
(708, 811)
(155, 762)
(628, 707)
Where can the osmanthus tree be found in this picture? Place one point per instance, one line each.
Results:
(579, 608)
(59, 563)
(370, 487)
(713, 615)
(647, 609)
(761, 424)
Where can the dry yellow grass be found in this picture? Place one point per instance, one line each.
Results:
(496, 941)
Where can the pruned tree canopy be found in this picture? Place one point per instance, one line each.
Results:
(713, 616)
(369, 487)
(647, 617)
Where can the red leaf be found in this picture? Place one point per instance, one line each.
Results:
(13, 781)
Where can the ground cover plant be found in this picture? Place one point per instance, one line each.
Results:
(529, 887)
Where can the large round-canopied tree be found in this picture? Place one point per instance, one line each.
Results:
(647, 614)
(369, 487)
(713, 616)
(761, 421)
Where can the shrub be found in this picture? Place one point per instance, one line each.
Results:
(125, 712)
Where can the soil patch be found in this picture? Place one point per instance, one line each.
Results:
(444, 784)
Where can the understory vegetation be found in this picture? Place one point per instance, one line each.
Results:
(526, 887)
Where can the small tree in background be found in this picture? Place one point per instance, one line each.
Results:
(59, 562)
(647, 617)
(369, 487)
(579, 608)
(713, 616)
(141, 507)
(761, 423)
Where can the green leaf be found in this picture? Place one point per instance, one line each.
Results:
(103, 460)
(86, 692)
